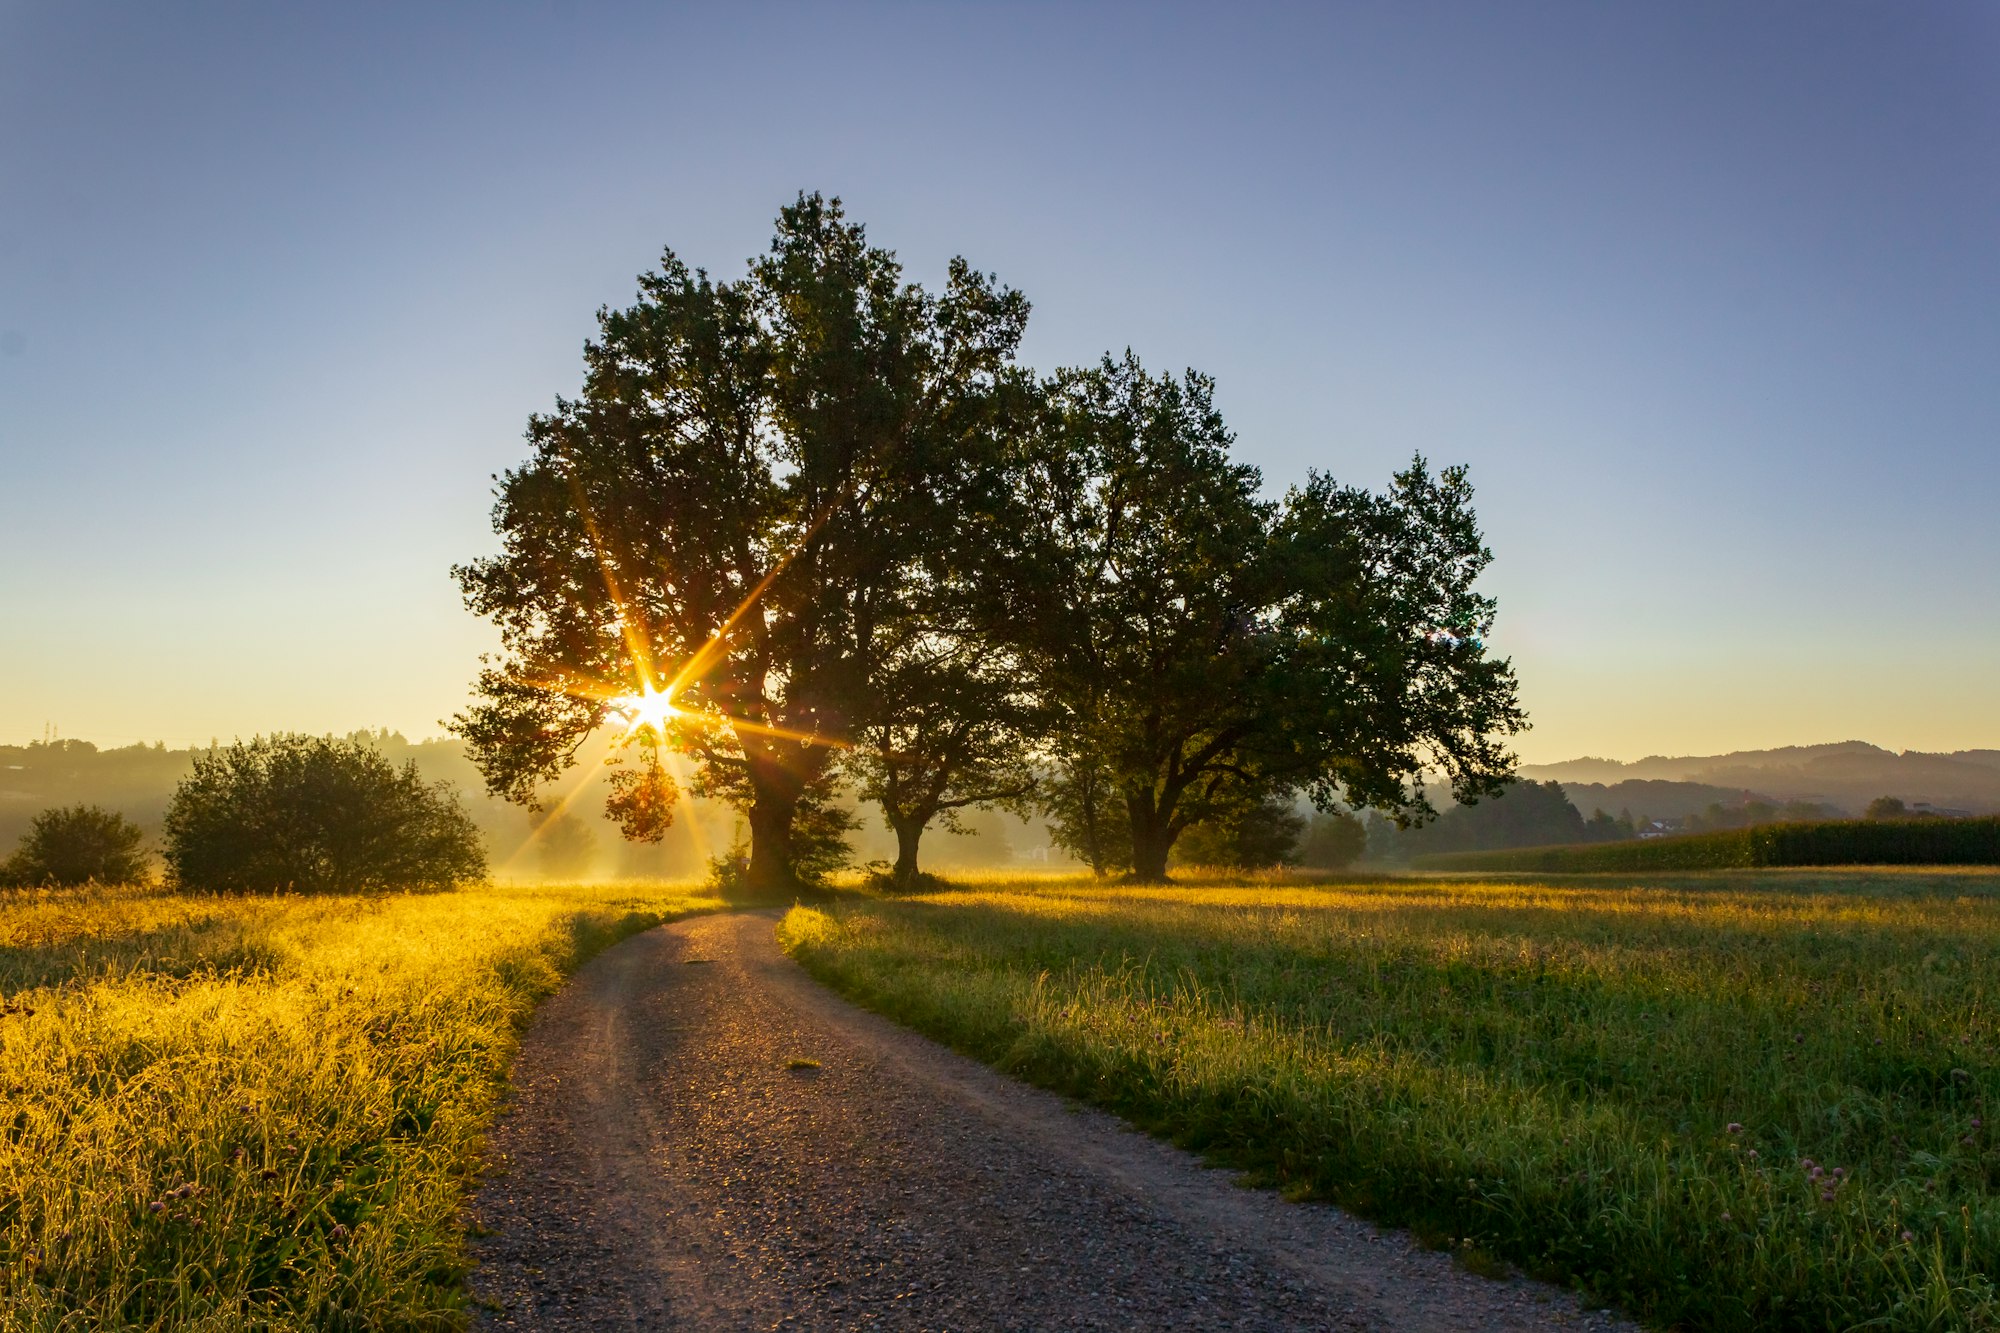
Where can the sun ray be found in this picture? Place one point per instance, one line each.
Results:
(561, 806)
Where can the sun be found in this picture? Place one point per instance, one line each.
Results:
(648, 708)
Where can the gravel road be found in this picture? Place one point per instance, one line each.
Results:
(671, 1160)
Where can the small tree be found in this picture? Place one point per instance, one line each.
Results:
(1334, 840)
(310, 814)
(77, 844)
(1258, 836)
(952, 732)
(1888, 807)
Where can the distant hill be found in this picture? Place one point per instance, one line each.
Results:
(1848, 774)
(1657, 798)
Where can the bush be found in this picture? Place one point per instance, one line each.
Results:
(1334, 840)
(76, 845)
(1833, 842)
(315, 815)
(1252, 837)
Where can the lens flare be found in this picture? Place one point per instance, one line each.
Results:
(648, 708)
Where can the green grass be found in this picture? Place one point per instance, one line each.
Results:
(1614, 1082)
(231, 1113)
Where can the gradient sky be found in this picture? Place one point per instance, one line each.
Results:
(1707, 295)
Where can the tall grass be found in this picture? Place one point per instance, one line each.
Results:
(228, 1113)
(1742, 1101)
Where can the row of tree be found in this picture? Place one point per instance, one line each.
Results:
(286, 813)
(816, 526)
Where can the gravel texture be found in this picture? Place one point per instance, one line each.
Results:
(673, 1160)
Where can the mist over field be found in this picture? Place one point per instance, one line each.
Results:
(569, 839)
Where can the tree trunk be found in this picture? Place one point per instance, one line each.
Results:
(771, 871)
(909, 832)
(1152, 840)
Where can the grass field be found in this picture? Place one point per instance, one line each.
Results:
(1757, 1100)
(264, 1113)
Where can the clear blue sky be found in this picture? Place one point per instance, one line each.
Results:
(1708, 295)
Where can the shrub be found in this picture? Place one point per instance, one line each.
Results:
(315, 815)
(76, 845)
(1334, 840)
(1251, 837)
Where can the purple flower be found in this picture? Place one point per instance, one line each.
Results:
(1908, 1237)
(1753, 1154)
(1725, 1217)
(1732, 1128)
(1826, 1196)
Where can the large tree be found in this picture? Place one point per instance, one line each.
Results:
(1205, 648)
(717, 538)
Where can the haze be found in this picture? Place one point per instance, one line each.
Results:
(1707, 296)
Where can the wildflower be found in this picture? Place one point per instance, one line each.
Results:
(1908, 1237)
(1752, 1154)
(1826, 1196)
(1840, 1171)
(156, 1207)
(339, 1231)
(1732, 1128)
(1975, 1122)
(1967, 1140)
(1725, 1217)
(1805, 1163)
(1815, 1173)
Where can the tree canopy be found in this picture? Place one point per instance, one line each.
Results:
(77, 844)
(312, 814)
(730, 515)
(1203, 648)
(815, 525)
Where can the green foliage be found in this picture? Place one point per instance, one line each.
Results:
(1522, 814)
(1086, 808)
(78, 844)
(952, 731)
(1334, 840)
(736, 506)
(1722, 1103)
(310, 814)
(1605, 827)
(1934, 842)
(1258, 836)
(1887, 807)
(1202, 648)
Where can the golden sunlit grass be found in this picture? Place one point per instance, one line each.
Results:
(228, 1113)
(1738, 1100)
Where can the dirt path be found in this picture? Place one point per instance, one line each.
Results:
(664, 1166)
